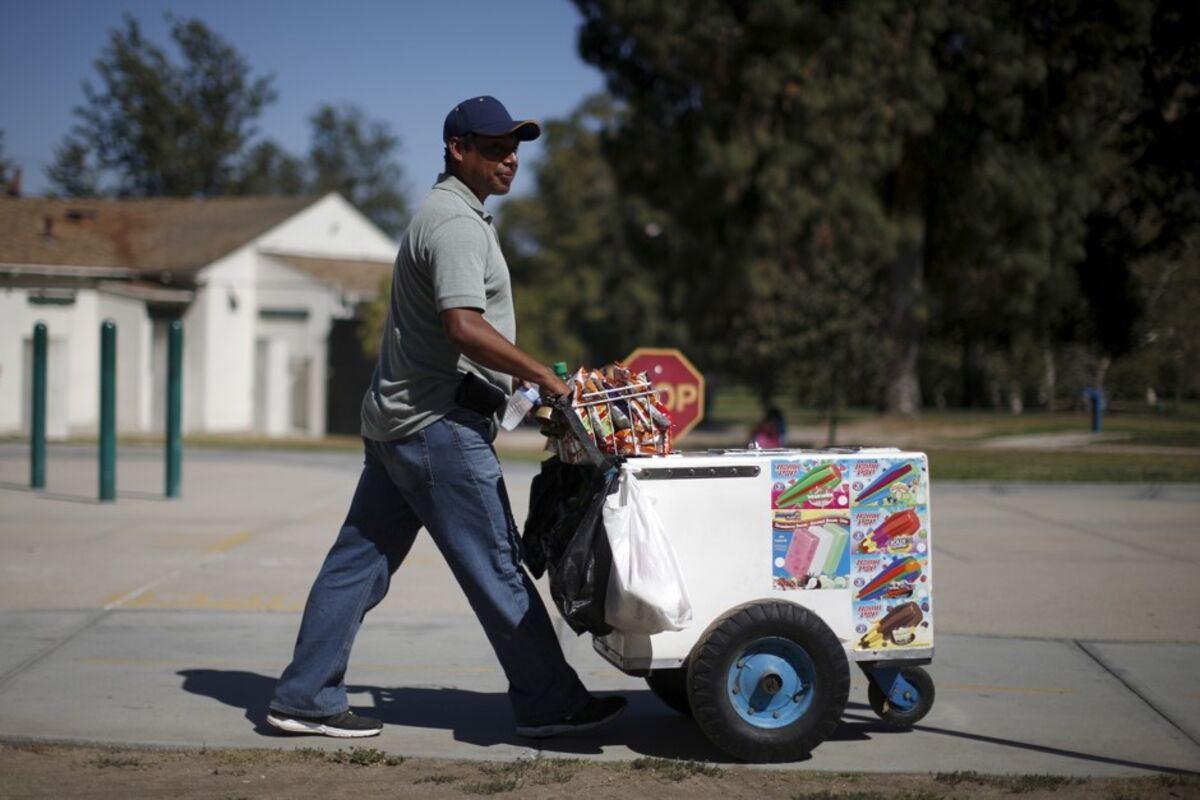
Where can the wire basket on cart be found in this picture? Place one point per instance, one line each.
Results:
(611, 413)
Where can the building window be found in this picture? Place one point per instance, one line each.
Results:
(52, 297)
(299, 314)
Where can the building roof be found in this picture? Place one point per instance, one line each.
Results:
(168, 238)
(360, 279)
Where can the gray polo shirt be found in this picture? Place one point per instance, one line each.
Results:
(449, 258)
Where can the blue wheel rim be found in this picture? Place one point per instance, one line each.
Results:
(771, 683)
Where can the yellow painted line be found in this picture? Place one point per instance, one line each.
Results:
(137, 597)
(988, 687)
(229, 542)
(271, 665)
(203, 601)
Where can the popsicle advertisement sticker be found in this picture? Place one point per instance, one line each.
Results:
(810, 549)
(859, 525)
(880, 530)
(891, 590)
(810, 483)
(889, 483)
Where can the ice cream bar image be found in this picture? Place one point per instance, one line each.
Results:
(800, 553)
(834, 558)
(902, 523)
(902, 569)
(824, 546)
(903, 617)
(880, 487)
(826, 476)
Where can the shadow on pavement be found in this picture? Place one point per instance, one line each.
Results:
(248, 691)
(485, 718)
(480, 718)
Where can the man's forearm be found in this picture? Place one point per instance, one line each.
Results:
(484, 345)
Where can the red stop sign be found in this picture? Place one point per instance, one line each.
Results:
(679, 385)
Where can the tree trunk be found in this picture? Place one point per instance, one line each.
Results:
(1049, 377)
(1102, 371)
(835, 408)
(906, 281)
(974, 373)
(904, 387)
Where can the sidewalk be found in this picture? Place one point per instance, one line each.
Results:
(1066, 628)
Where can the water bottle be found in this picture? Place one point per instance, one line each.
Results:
(519, 404)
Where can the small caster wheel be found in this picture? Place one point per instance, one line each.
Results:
(908, 699)
(670, 686)
(768, 682)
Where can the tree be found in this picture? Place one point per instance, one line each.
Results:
(355, 156)
(161, 127)
(269, 169)
(5, 165)
(582, 292)
(73, 172)
(844, 183)
(765, 150)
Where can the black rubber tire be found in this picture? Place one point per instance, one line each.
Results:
(894, 717)
(670, 686)
(721, 645)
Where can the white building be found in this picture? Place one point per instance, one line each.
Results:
(257, 281)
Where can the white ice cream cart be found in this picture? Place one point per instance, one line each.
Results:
(797, 562)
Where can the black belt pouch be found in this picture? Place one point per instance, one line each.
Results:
(478, 395)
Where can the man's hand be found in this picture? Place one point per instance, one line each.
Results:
(555, 388)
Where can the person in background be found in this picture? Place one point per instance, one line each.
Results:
(771, 432)
(446, 368)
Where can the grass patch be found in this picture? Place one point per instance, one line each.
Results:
(1070, 466)
(115, 762)
(854, 794)
(438, 779)
(307, 754)
(364, 757)
(671, 770)
(1172, 779)
(1014, 784)
(508, 777)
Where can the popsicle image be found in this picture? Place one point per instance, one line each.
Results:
(833, 560)
(902, 569)
(800, 553)
(826, 476)
(824, 547)
(883, 484)
(892, 626)
(902, 523)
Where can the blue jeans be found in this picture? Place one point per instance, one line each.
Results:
(447, 479)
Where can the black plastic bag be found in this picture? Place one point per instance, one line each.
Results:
(564, 537)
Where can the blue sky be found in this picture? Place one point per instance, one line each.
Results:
(404, 62)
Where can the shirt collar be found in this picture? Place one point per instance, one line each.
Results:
(449, 183)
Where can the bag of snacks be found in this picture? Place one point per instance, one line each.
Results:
(617, 411)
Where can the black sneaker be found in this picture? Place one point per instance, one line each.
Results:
(597, 712)
(345, 725)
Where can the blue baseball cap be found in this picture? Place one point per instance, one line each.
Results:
(487, 116)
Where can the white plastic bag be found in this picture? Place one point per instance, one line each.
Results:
(646, 592)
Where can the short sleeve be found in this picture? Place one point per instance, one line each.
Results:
(458, 253)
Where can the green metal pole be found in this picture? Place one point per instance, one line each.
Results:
(37, 433)
(174, 406)
(108, 410)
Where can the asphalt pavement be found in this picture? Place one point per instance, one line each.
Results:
(1066, 624)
